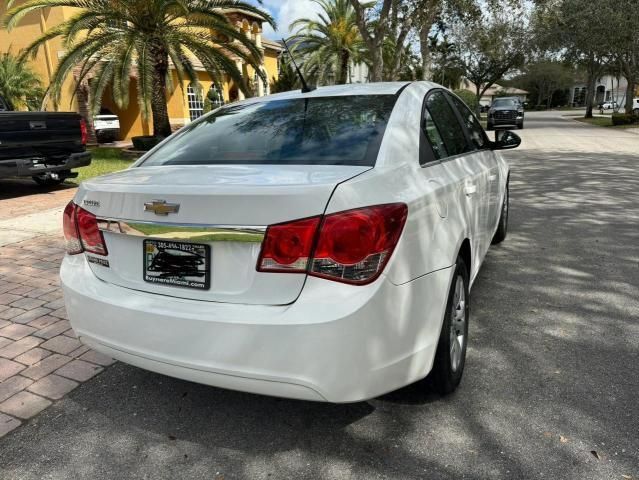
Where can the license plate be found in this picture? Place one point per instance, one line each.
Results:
(177, 264)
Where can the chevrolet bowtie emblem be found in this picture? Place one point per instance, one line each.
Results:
(160, 207)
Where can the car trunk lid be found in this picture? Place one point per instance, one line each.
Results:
(224, 207)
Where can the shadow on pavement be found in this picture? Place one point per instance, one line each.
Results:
(552, 373)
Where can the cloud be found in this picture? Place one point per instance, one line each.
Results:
(287, 11)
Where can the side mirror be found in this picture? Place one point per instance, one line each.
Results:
(505, 140)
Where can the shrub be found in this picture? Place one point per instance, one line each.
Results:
(624, 119)
(144, 143)
(469, 98)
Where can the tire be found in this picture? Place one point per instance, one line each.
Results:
(450, 357)
(502, 227)
(520, 126)
(636, 111)
(490, 127)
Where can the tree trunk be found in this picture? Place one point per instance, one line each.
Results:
(159, 110)
(590, 93)
(343, 67)
(83, 109)
(374, 38)
(424, 48)
(630, 94)
(376, 72)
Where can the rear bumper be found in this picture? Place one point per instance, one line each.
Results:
(335, 343)
(28, 167)
(107, 133)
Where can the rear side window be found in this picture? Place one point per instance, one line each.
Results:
(477, 134)
(315, 131)
(434, 137)
(446, 123)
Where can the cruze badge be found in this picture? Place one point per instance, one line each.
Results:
(160, 207)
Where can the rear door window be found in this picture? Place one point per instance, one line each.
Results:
(477, 134)
(344, 130)
(447, 125)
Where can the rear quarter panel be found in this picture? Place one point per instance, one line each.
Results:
(437, 220)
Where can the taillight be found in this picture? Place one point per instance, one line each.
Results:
(70, 229)
(84, 134)
(90, 235)
(353, 246)
(81, 231)
(287, 247)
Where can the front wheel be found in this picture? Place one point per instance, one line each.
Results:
(450, 357)
(502, 228)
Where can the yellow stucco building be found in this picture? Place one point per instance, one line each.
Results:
(185, 102)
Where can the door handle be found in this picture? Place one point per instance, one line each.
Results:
(470, 189)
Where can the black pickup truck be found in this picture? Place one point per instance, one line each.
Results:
(42, 145)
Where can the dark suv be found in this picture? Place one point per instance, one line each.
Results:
(506, 112)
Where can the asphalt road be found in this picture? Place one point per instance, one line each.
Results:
(551, 388)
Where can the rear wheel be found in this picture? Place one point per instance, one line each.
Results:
(450, 357)
(502, 228)
(490, 126)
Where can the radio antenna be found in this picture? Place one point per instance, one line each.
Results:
(305, 86)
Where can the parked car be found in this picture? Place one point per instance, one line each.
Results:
(106, 126)
(635, 106)
(506, 112)
(45, 146)
(611, 104)
(318, 246)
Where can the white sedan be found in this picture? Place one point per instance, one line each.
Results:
(318, 246)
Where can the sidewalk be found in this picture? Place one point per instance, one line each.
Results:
(40, 358)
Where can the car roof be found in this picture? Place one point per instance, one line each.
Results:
(377, 88)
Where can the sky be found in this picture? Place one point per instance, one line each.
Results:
(285, 11)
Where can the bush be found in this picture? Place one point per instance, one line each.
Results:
(624, 119)
(144, 143)
(469, 98)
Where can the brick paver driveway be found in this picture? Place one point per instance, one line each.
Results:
(40, 358)
(550, 390)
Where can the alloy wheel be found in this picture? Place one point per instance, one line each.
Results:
(458, 324)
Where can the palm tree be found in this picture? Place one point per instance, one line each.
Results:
(329, 43)
(110, 41)
(19, 85)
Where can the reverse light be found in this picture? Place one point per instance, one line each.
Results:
(287, 246)
(81, 231)
(352, 246)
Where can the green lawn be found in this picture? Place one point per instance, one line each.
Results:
(104, 160)
(603, 122)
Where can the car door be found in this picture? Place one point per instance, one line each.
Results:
(488, 161)
(460, 169)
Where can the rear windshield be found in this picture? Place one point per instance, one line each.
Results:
(313, 131)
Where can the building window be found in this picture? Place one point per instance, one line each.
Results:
(195, 101)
